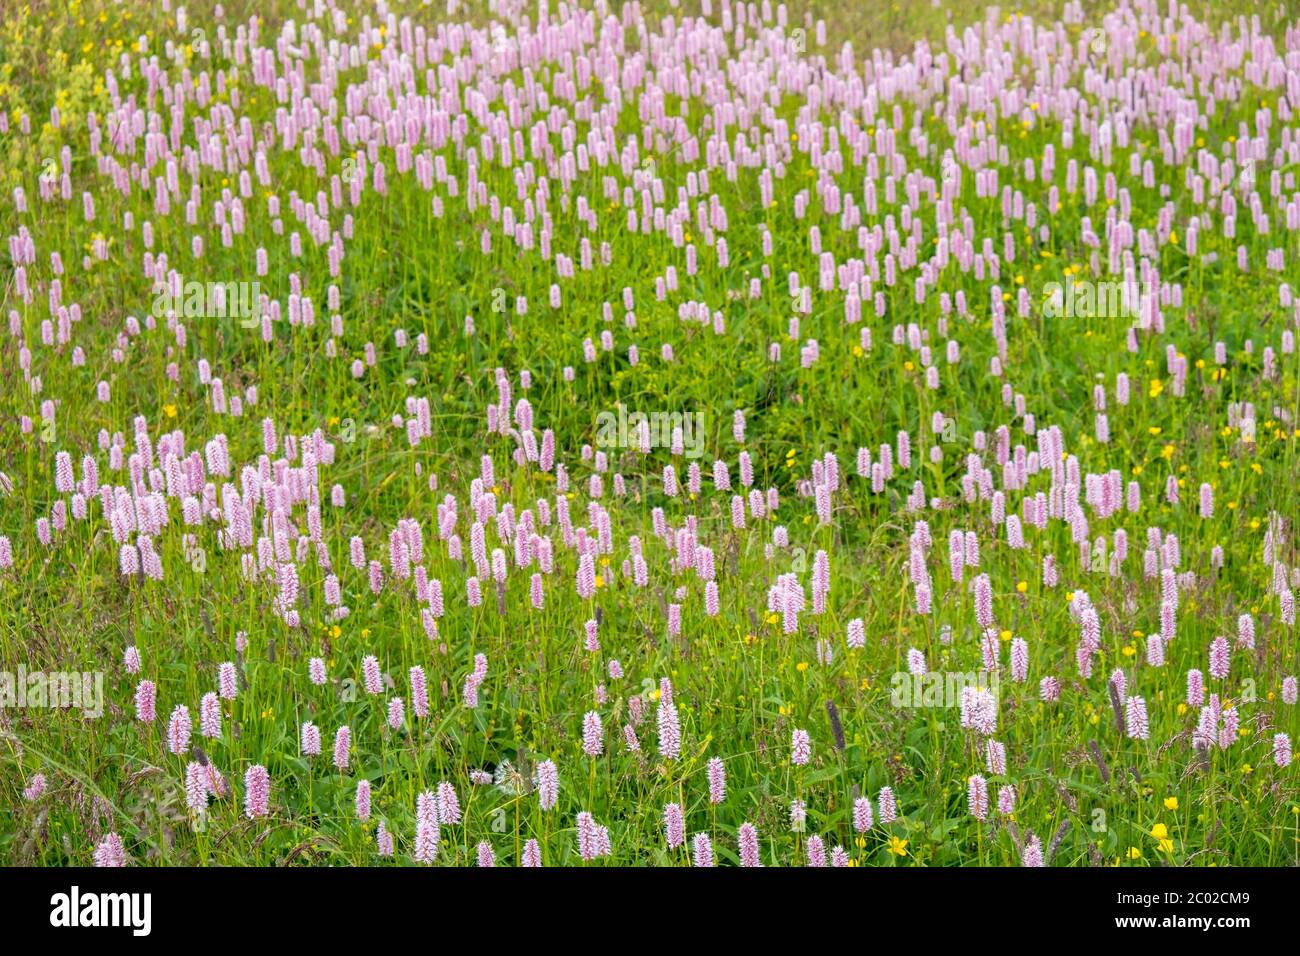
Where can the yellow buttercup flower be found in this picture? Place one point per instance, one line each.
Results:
(897, 847)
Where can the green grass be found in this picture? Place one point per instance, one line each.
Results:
(742, 685)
